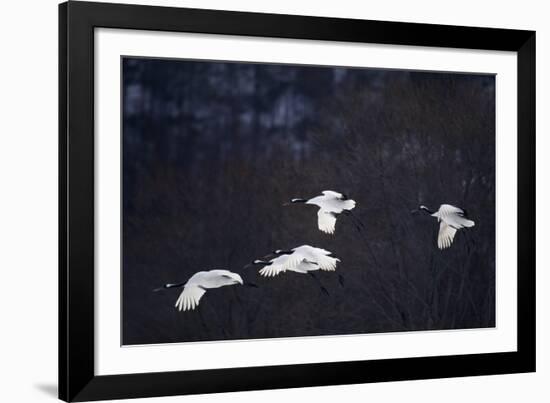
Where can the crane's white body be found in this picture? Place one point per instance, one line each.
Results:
(201, 281)
(330, 204)
(450, 219)
(303, 259)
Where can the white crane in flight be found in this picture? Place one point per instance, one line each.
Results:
(450, 219)
(198, 283)
(303, 259)
(330, 204)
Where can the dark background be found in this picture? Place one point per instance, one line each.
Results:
(211, 151)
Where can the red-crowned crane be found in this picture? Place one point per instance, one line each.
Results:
(450, 219)
(330, 204)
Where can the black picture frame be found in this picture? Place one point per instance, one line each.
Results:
(77, 379)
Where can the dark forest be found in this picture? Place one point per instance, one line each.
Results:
(212, 151)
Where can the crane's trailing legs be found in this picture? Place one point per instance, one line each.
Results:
(323, 289)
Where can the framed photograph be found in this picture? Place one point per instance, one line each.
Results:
(257, 201)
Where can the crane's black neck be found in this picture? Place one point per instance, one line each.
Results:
(173, 285)
(283, 252)
(426, 209)
(165, 286)
(262, 262)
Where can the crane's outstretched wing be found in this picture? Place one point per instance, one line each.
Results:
(326, 221)
(189, 297)
(272, 270)
(454, 216)
(318, 255)
(327, 263)
(446, 209)
(446, 235)
(303, 267)
(289, 261)
(304, 249)
(279, 264)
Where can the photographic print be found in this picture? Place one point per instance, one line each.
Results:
(272, 200)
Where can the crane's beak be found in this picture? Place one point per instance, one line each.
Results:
(415, 211)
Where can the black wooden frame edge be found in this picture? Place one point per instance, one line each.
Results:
(77, 21)
(526, 155)
(62, 211)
